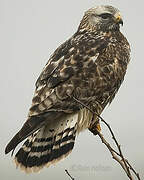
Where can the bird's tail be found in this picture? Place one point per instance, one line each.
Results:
(48, 145)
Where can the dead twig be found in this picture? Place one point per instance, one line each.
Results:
(69, 174)
(133, 170)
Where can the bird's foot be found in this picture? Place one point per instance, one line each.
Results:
(95, 128)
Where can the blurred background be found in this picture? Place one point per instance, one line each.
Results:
(30, 30)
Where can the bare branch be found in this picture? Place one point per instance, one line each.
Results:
(116, 157)
(137, 174)
(69, 174)
(123, 162)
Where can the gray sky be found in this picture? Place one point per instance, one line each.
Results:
(30, 30)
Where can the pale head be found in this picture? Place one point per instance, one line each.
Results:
(103, 18)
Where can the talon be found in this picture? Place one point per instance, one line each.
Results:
(95, 128)
(98, 127)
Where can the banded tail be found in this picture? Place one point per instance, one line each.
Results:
(49, 144)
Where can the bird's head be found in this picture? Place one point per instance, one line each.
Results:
(101, 18)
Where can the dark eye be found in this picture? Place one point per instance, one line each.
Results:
(105, 15)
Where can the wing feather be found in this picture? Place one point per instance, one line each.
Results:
(72, 61)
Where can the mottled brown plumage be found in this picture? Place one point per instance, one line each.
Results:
(90, 66)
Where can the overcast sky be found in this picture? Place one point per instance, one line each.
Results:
(30, 30)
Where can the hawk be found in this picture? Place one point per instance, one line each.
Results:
(88, 68)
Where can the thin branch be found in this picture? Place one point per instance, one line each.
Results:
(69, 174)
(118, 156)
(126, 167)
(133, 170)
(112, 153)
(120, 161)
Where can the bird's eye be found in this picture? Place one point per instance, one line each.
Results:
(105, 15)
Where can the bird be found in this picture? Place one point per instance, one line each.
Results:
(82, 76)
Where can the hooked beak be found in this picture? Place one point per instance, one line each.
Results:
(118, 19)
